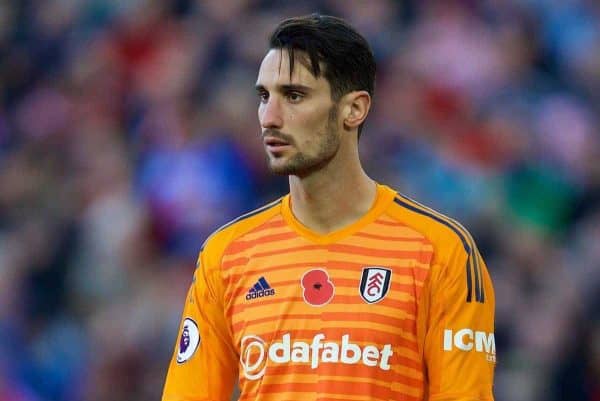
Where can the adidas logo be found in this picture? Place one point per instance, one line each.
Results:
(260, 289)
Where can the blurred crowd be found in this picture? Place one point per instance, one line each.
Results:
(128, 133)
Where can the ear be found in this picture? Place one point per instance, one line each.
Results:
(356, 108)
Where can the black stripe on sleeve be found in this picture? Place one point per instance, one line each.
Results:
(477, 278)
(469, 284)
(480, 295)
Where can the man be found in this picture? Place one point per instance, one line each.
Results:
(344, 289)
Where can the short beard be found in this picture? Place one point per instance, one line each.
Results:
(301, 165)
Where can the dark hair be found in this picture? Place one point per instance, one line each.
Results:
(333, 47)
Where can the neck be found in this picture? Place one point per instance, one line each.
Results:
(333, 197)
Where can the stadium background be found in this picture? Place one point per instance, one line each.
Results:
(128, 132)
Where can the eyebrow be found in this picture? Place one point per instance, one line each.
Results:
(286, 88)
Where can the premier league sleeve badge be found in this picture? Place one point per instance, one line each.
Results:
(188, 340)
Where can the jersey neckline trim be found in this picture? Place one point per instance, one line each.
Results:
(384, 197)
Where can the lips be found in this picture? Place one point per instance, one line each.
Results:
(272, 141)
(276, 146)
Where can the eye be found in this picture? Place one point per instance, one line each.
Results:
(263, 96)
(295, 97)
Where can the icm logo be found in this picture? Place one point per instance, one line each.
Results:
(255, 353)
(467, 339)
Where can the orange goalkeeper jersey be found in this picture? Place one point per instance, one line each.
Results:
(397, 306)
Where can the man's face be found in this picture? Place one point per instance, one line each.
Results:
(297, 116)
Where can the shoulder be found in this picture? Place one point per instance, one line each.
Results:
(444, 233)
(456, 258)
(217, 242)
(455, 255)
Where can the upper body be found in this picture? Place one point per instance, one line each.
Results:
(343, 289)
(393, 306)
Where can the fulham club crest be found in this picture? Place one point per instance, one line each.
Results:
(375, 283)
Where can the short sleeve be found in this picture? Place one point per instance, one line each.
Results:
(456, 319)
(204, 363)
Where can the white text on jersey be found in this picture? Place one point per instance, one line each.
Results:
(254, 353)
(466, 339)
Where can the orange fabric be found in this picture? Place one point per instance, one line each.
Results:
(280, 310)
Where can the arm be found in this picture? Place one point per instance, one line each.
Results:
(204, 362)
(457, 328)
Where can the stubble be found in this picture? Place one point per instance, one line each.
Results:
(302, 164)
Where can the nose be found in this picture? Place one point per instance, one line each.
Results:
(270, 114)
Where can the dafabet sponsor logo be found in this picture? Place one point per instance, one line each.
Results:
(255, 353)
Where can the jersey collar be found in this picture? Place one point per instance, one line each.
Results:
(383, 199)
